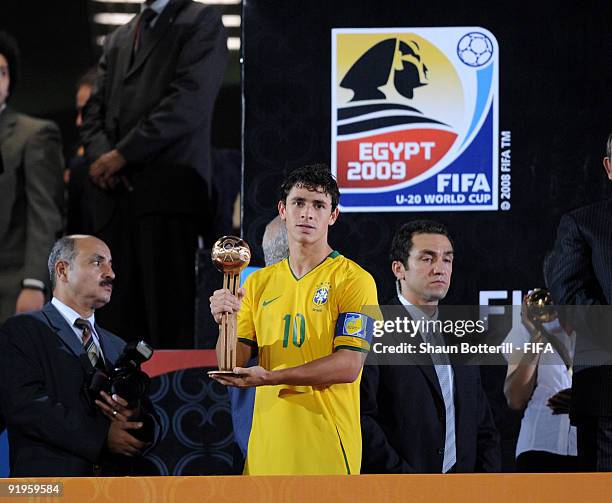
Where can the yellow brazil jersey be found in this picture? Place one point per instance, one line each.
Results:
(306, 429)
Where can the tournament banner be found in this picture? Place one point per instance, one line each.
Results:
(415, 118)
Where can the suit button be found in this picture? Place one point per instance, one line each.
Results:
(440, 450)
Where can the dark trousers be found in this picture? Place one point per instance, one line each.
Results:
(546, 462)
(154, 263)
(595, 443)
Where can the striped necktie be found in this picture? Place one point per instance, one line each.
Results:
(88, 341)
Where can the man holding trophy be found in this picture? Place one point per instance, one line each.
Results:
(305, 317)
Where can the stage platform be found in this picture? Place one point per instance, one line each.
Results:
(454, 488)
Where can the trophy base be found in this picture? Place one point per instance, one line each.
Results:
(228, 373)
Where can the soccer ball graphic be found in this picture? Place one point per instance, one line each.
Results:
(475, 49)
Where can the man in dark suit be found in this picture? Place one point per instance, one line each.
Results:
(47, 358)
(31, 194)
(432, 417)
(579, 272)
(146, 131)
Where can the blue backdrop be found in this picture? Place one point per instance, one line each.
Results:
(3, 455)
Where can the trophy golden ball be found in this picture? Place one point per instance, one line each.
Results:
(231, 253)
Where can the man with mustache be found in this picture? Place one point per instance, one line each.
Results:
(47, 358)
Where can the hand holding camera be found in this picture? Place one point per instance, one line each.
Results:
(118, 390)
(116, 408)
(120, 439)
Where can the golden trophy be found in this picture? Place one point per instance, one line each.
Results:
(231, 255)
(540, 308)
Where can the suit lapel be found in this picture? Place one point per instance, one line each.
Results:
(428, 370)
(111, 351)
(124, 56)
(151, 37)
(461, 382)
(66, 334)
(430, 373)
(63, 330)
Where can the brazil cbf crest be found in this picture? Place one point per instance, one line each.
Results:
(321, 294)
(415, 118)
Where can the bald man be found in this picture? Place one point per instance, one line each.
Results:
(47, 358)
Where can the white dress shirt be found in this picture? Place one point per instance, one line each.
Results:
(70, 315)
(541, 430)
(417, 314)
(158, 6)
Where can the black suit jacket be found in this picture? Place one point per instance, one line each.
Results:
(403, 420)
(157, 108)
(53, 427)
(579, 272)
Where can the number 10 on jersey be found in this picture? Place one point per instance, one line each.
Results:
(296, 326)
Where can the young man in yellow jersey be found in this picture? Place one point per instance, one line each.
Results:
(305, 316)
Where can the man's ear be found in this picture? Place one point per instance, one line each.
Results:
(399, 270)
(61, 270)
(282, 210)
(334, 216)
(607, 162)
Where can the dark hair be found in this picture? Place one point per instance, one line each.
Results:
(10, 50)
(315, 177)
(88, 78)
(402, 241)
(609, 146)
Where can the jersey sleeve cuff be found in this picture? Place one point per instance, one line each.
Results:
(248, 342)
